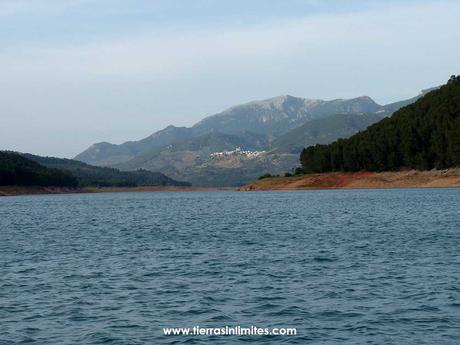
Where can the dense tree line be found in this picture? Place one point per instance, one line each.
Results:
(423, 136)
(93, 176)
(30, 170)
(18, 170)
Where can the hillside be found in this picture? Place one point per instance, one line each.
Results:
(269, 118)
(323, 131)
(192, 160)
(90, 176)
(276, 116)
(423, 135)
(182, 154)
(18, 170)
(238, 169)
(106, 154)
(278, 128)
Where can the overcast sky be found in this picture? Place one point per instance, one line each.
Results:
(76, 72)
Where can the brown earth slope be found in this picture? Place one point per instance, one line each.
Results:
(338, 180)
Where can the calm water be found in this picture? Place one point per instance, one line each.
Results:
(343, 267)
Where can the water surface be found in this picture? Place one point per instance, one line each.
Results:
(343, 267)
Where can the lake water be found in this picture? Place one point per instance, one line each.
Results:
(342, 267)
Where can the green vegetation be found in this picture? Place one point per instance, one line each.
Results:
(324, 130)
(190, 160)
(265, 176)
(91, 176)
(281, 126)
(18, 170)
(30, 170)
(423, 135)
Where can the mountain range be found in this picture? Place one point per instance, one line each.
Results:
(243, 142)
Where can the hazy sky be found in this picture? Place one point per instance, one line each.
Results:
(76, 72)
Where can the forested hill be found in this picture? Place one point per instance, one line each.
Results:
(18, 170)
(423, 136)
(23, 169)
(92, 176)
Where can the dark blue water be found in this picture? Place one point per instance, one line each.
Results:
(343, 267)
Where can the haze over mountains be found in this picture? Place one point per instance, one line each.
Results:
(269, 133)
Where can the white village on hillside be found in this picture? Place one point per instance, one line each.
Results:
(236, 152)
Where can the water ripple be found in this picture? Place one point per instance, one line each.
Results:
(343, 267)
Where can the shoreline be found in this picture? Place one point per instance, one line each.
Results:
(360, 180)
(449, 178)
(36, 190)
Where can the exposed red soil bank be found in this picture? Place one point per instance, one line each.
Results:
(399, 179)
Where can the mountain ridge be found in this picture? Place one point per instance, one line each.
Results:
(284, 113)
(270, 126)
